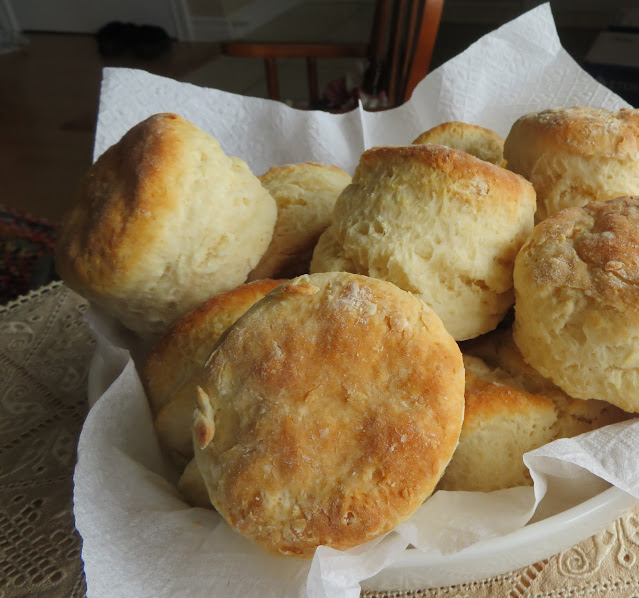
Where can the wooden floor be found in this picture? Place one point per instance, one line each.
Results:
(49, 97)
(48, 106)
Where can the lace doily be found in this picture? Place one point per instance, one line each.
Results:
(44, 352)
(44, 355)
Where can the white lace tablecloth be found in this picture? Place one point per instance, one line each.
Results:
(44, 357)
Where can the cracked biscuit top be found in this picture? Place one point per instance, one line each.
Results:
(577, 297)
(437, 222)
(328, 413)
(163, 220)
(575, 155)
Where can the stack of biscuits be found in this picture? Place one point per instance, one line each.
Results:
(329, 350)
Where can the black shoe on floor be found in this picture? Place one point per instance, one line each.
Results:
(144, 41)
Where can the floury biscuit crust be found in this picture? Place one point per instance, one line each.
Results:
(577, 301)
(575, 155)
(164, 220)
(438, 223)
(328, 413)
(474, 140)
(305, 194)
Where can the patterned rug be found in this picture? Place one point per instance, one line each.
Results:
(26, 253)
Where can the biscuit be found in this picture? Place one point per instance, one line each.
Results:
(437, 222)
(169, 369)
(574, 416)
(328, 413)
(501, 423)
(498, 350)
(577, 301)
(477, 141)
(305, 195)
(575, 155)
(577, 416)
(164, 219)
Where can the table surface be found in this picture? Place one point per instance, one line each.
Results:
(45, 350)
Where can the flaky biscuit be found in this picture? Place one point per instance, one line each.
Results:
(498, 350)
(501, 423)
(437, 222)
(577, 416)
(305, 194)
(164, 219)
(577, 301)
(574, 416)
(477, 141)
(169, 369)
(327, 413)
(576, 155)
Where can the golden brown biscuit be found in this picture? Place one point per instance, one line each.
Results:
(501, 423)
(498, 350)
(574, 416)
(577, 301)
(328, 413)
(164, 219)
(169, 369)
(472, 139)
(505, 418)
(305, 195)
(575, 155)
(437, 222)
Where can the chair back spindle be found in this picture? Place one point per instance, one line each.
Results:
(398, 53)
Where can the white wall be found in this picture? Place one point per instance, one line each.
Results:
(237, 18)
(200, 20)
(87, 16)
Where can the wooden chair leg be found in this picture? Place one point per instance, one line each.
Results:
(410, 44)
(313, 84)
(271, 79)
(425, 45)
(398, 42)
